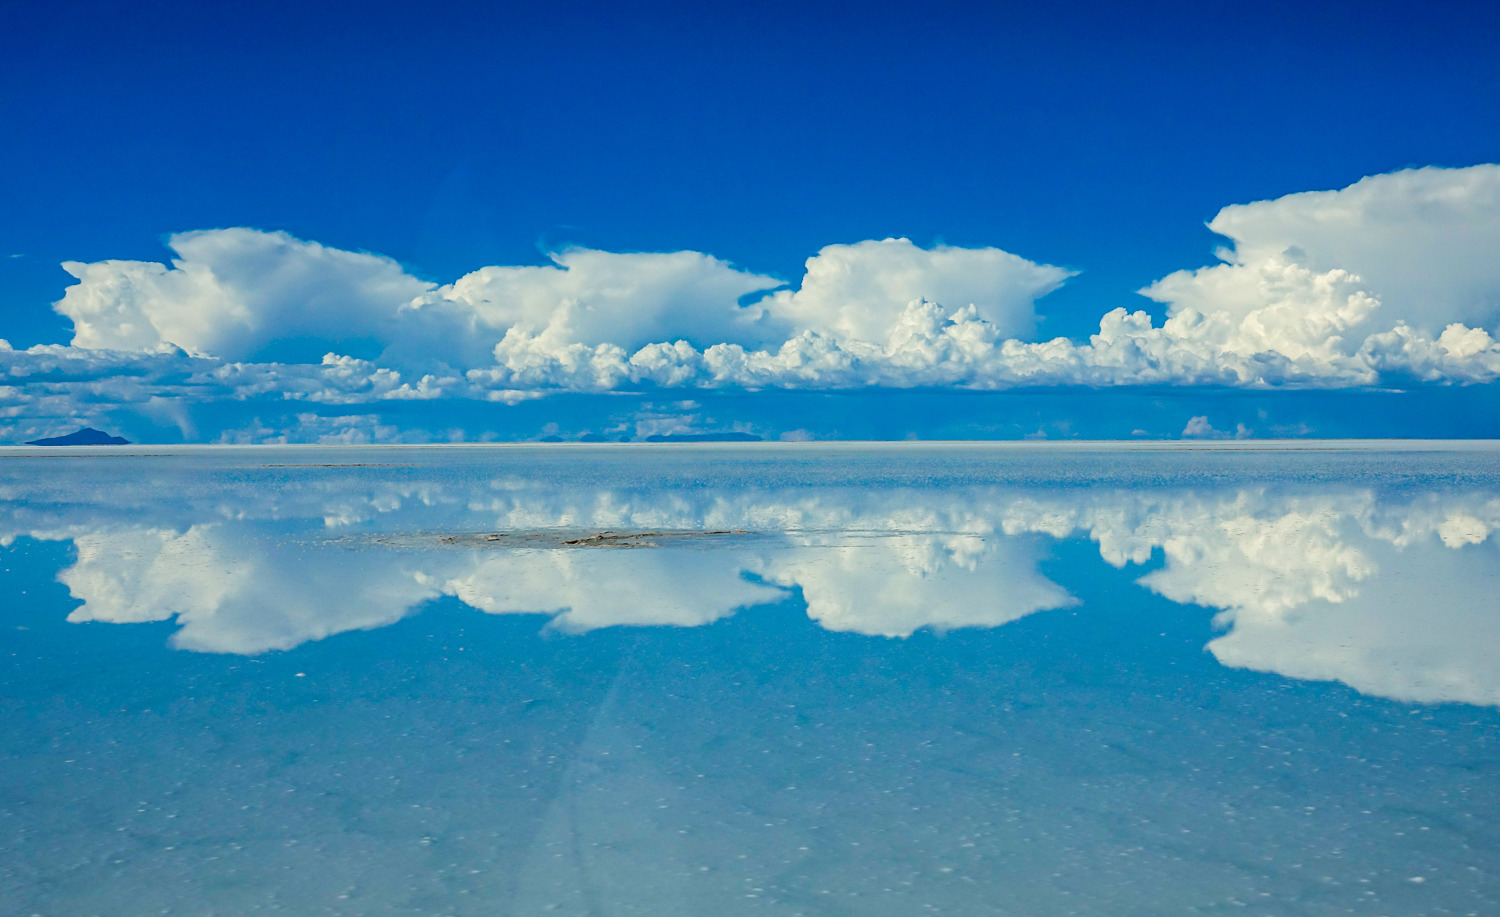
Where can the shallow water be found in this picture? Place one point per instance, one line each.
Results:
(797, 679)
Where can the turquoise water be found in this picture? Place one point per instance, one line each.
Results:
(897, 679)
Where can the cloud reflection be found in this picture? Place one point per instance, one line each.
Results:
(234, 589)
(1389, 593)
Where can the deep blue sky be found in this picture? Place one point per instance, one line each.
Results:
(452, 135)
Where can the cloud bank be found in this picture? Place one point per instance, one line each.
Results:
(1390, 281)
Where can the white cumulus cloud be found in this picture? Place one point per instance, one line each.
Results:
(1393, 280)
(857, 292)
(585, 297)
(1424, 240)
(233, 293)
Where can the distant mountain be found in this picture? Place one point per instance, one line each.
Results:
(88, 436)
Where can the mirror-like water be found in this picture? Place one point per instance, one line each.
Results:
(771, 679)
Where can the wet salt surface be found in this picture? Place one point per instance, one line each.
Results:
(906, 680)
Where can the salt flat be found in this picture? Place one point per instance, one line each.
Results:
(913, 678)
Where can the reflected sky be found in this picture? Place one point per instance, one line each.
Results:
(782, 679)
(1385, 588)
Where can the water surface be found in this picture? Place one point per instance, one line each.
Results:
(768, 679)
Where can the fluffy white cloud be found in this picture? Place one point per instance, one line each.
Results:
(1423, 240)
(1307, 296)
(1199, 428)
(1273, 306)
(1396, 272)
(1459, 354)
(234, 293)
(858, 292)
(1390, 280)
(589, 297)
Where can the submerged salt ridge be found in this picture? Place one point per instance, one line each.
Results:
(1322, 579)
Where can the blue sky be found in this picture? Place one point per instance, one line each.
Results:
(1094, 139)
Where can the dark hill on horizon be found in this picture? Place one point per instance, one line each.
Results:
(87, 436)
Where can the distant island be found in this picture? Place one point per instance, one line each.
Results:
(88, 436)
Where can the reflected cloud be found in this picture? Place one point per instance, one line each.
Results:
(233, 589)
(894, 585)
(591, 587)
(1424, 630)
(1393, 598)
(1391, 593)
